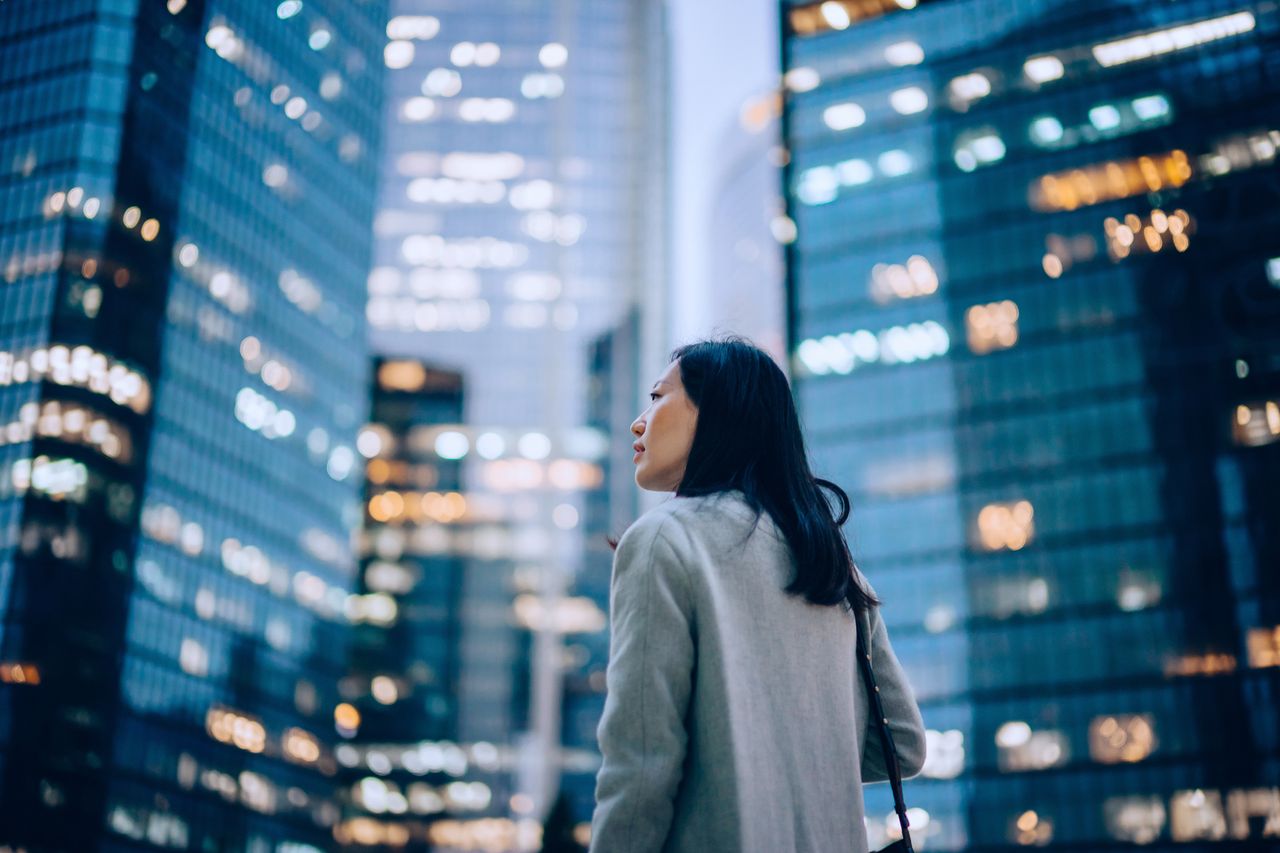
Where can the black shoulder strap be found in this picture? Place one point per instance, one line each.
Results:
(882, 723)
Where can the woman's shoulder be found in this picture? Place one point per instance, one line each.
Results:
(683, 518)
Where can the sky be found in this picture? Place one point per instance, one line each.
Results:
(722, 53)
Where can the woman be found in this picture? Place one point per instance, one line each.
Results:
(735, 718)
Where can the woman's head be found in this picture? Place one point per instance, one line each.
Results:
(722, 418)
(664, 433)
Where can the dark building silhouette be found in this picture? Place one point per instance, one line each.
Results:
(401, 757)
(1034, 316)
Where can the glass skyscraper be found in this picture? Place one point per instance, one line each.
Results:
(1035, 321)
(519, 219)
(186, 197)
(402, 685)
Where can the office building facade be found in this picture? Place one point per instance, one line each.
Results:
(187, 198)
(519, 219)
(1033, 301)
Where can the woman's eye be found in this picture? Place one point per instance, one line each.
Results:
(653, 395)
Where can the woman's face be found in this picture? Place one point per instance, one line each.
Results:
(664, 433)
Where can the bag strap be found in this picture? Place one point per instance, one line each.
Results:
(886, 739)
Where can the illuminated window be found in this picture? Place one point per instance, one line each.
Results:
(1155, 232)
(993, 326)
(1138, 820)
(1110, 181)
(1121, 738)
(19, 673)
(1207, 663)
(1022, 748)
(1256, 424)
(421, 27)
(978, 148)
(818, 185)
(236, 728)
(1043, 69)
(193, 657)
(802, 79)
(815, 18)
(1046, 130)
(909, 101)
(970, 87)
(844, 116)
(553, 55)
(1006, 525)
(1264, 647)
(1031, 829)
(944, 754)
(898, 344)
(1246, 804)
(1172, 39)
(398, 54)
(903, 281)
(1197, 815)
(904, 53)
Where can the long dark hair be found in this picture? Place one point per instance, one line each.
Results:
(748, 437)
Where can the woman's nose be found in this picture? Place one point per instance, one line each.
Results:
(637, 427)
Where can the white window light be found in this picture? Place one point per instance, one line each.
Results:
(835, 14)
(895, 163)
(909, 101)
(844, 116)
(553, 55)
(1044, 69)
(418, 109)
(1147, 45)
(988, 148)
(452, 445)
(1151, 107)
(970, 87)
(904, 53)
(398, 54)
(1046, 130)
(818, 185)
(802, 79)
(463, 54)
(444, 82)
(420, 27)
(487, 53)
(854, 172)
(1104, 117)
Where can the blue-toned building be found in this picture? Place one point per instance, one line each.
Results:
(1035, 329)
(519, 220)
(186, 197)
(402, 766)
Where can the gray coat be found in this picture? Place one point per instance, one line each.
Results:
(735, 718)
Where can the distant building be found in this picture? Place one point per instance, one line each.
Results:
(746, 292)
(1034, 324)
(402, 683)
(520, 218)
(185, 205)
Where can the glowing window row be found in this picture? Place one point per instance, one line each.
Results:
(842, 353)
(381, 796)
(71, 423)
(78, 367)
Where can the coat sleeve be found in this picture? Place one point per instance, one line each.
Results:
(642, 733)
(905, 723)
